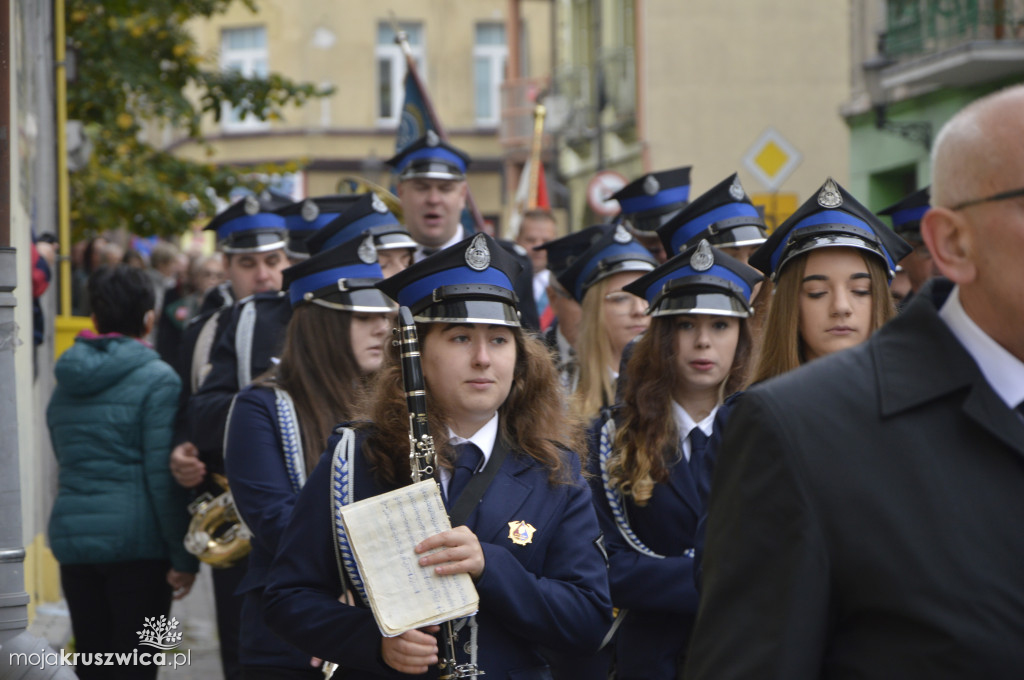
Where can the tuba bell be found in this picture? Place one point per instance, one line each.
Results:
(217, 535)
(351, 184)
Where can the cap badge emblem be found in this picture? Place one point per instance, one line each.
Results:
(702, 258)
(520, 532)
(252, 205)
(378, 204)
(310, 210)
(621, 235)
(432, 138)
(478, 257)
(829, 196)
(736, 190)
(367, 252)
(651, 185)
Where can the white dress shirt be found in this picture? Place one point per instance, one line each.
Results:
(1003, 371)
(685, 423)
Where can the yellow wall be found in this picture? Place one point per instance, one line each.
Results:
(344, 127)
(719, 73)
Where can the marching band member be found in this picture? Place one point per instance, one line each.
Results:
(650, 201)
(831, 263)
(562, 336)
(279, 425)
(531, 540)
(723, 215)
(612, 316)
(647, 455)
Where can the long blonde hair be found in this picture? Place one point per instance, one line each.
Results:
(595, 388)
(782, 348)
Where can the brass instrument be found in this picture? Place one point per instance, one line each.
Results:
(351, 184)
(421, 461)
(217, 535)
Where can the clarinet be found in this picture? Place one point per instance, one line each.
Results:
(422, 460)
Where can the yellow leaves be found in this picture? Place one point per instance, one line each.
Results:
(124, 120)
(179, 50)
(79, 15)
(137, 31)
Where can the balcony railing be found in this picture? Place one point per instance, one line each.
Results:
(518, 99)
(918, 27)
(588, 97)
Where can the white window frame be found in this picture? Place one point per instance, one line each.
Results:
(392, 53)
(497, 56)
(249, 61)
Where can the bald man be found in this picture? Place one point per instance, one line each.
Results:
(865, 517)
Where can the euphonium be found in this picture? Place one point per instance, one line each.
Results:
(359, 185)
(217, 535)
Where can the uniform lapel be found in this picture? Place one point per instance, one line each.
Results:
(503, 499)
(685, 486)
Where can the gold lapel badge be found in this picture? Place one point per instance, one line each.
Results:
(521, 532)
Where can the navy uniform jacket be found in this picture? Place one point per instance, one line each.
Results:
(208, 408)
(553, 591)
(215, 300)
(263, 494)
(864, 520)
(659, 594)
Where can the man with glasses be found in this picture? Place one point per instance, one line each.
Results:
(864, 520)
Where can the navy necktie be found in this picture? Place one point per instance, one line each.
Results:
(1020, 409)
(467, 460)
(698, 444)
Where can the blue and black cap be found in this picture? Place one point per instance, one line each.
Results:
(653, 199)
(343, 277)
(563, 251)
(430, 157)
(831, 218)
(613, 252)
(470, 282)
(700, 280)
(367, 213)
(304, 218)
(723, 215)
(906, 214)
(250, 225)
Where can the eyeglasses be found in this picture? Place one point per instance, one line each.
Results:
(622, 302)
(1002, 196)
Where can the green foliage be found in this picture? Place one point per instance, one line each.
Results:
(135, 63)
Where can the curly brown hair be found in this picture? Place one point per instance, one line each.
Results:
(647, 438)
(534, 417)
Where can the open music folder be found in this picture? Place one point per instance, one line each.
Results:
(382, 532)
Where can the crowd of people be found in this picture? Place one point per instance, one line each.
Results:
(671, 446)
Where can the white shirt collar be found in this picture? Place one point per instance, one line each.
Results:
(484, 438)
(458, 236)
(540, 282)
(685, 423)
(1003, 371)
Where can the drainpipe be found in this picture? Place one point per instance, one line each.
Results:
(14, 638)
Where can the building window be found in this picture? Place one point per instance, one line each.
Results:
(489, 56)
(391, 69)
(243, 50)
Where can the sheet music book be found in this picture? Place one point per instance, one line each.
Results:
(382, 532)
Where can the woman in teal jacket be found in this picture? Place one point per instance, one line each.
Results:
(119, 519)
